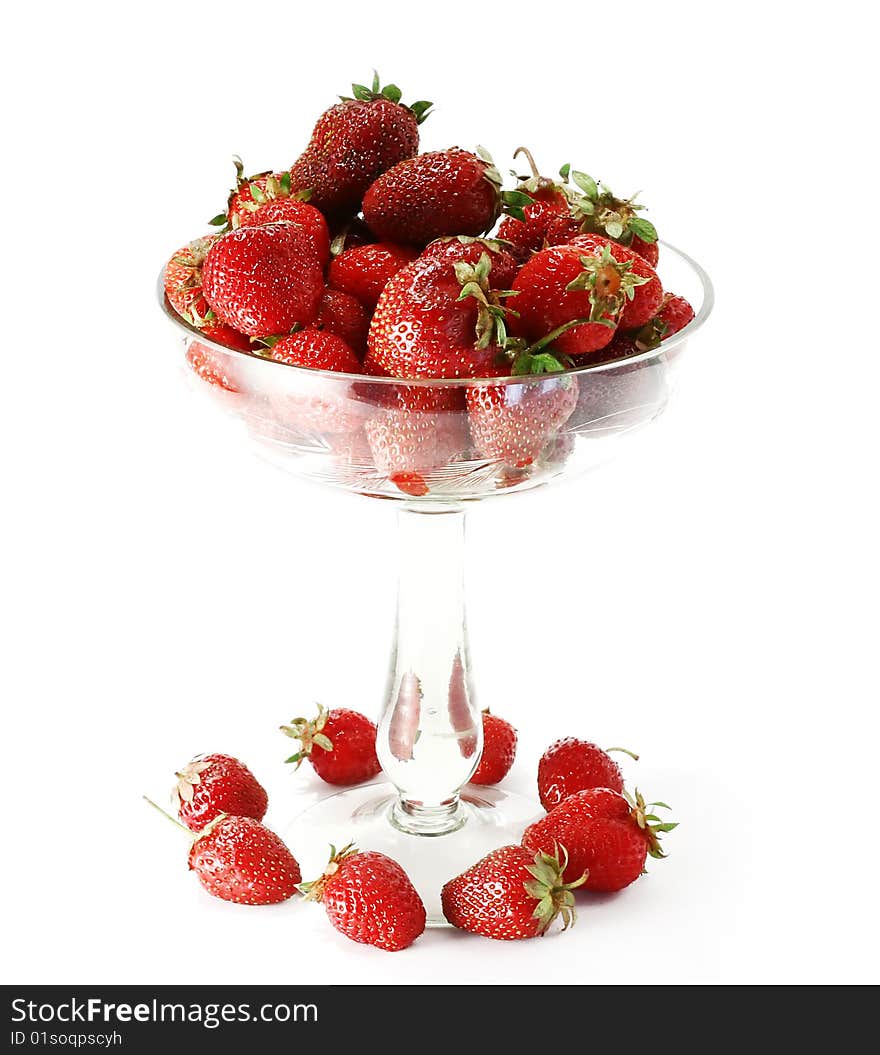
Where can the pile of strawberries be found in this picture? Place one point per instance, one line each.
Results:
(594, 836)
(367, 257)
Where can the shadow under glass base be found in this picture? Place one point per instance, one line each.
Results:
(364, 815)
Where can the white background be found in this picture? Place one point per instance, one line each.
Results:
(710, 601)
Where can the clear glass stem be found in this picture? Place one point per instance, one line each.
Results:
(430, 733)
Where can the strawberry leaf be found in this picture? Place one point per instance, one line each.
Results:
(643, 229)
(528, 362)
(421, 109)
(587, 184)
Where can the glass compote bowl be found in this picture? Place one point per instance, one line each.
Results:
(425, 446)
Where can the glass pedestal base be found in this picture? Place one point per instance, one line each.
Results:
(363, 815)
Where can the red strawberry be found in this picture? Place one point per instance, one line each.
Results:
(547, 201)
(183, 288)
(567, 283)
(215, 784)
(353, 143)
(648, 251)
(571, 765)
(469, 250)
(267, 198)
(364, 271)
(342, 315)
(418, 430)
(644, 297)
(622, 398)
(290, 210)
(238, 859)
(499, 750)
(607, 836)
(445, 192)
(320, 407)
(437, 318)
(596, 210)
(675, 313)
(183, 276)
(369, 898)
(510, 894)
(264, 279)
(512, 423)
(340, 744)
(531, 233)
(315, 349)
(211, 368)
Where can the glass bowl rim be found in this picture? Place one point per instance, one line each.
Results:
(664, 348)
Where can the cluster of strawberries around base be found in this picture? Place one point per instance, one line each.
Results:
(367, 257)
(594, 836)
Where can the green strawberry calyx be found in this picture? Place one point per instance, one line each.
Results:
(310, 733)
(511, 202)
(197, 320)
(526, 362)
(554, 897)
(314, 890)
(599, 211)
(491, 326)
(261, 188)
(193, 256)
(649, 822)
(263, 345)
(649, 336)
(514, 202)
(609, 283)
(391, 93)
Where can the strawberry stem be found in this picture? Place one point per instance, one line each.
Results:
(625, 751)
(168, 816)
(527, 154)
(650, 823)
(558, 332)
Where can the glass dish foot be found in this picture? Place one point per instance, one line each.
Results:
(365, 815)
